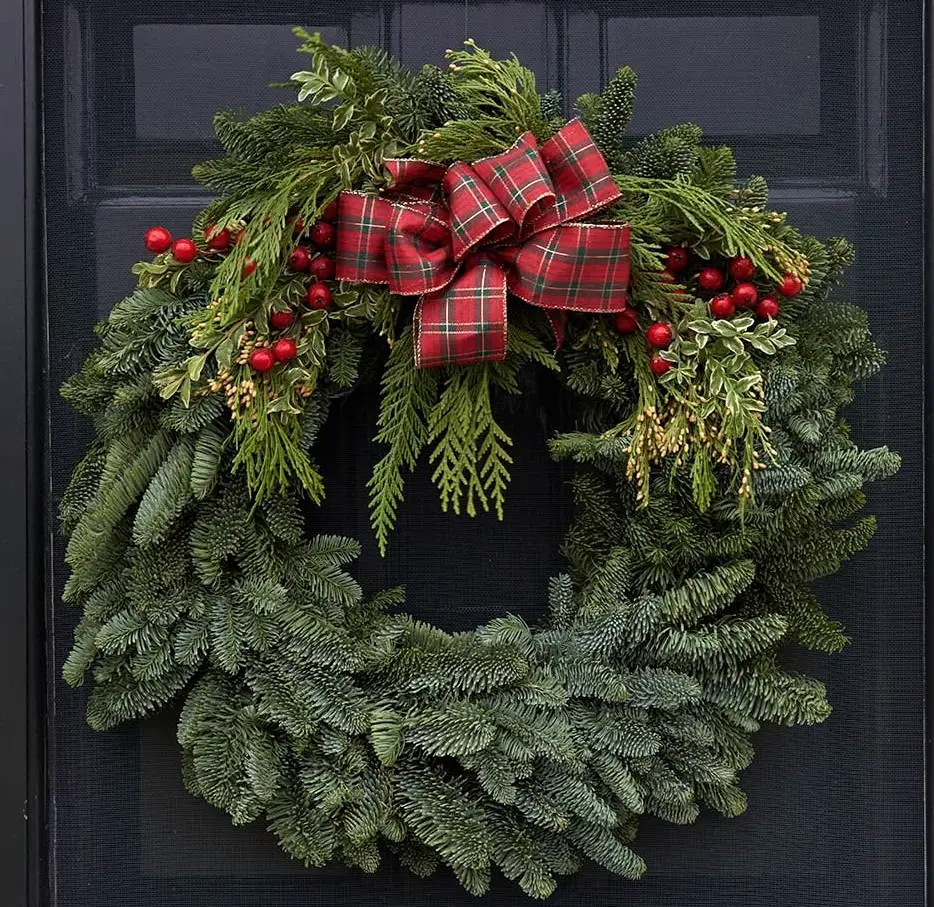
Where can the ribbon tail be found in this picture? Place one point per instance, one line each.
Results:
(558, 321)
(466, 321)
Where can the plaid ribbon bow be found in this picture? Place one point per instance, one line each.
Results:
(460, 236)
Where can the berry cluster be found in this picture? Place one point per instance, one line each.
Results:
(312, 256)
(733, 285)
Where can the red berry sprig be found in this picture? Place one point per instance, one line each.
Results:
(323, 234)
(677, 259)
(284, 350)
(281, 320)
(299, 259)
(157, 240)
(791, 285)
(262, 360)
(768, 307)
(318, 296)
(217, 240)
(745, 295)
(184, 250)
(322, 268)
(659, 334)
(710, 279)
(742, 268)
(626, 321)
(722, 306)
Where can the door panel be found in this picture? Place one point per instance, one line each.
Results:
(824, 99)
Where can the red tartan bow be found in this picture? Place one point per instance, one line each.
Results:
(459, 236)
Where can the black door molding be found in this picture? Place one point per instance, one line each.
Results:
(22, 543)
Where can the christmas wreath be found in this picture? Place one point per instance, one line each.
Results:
(448, 231)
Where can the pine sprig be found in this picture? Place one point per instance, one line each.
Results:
(407, 396)
(653, 206)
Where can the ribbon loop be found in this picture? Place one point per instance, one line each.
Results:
(476, 212)
(519, 180)
(572, 267)
(459, 236)
(418, 252)
(412, 178)
(583, 182)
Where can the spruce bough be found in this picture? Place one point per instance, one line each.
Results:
(706, 503)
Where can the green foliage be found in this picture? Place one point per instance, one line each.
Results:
(349, 727)
(665, 155)
(470, 456)
(408, 394)
(607, 115)
(450, 410)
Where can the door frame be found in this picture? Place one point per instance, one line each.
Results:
(22, 534)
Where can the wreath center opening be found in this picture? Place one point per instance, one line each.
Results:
(458, 572)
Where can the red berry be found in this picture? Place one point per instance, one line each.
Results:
(249, 266)
(239, 236)
(184, 250)
(659, 334)
(742, 268)
(768, 307)
(300, 259)
(710, 278)
(284, 349)
(322, 267)
(262, 360)
(677, 259)
(281, 320)
(791, 285)
(745, 295)
(318, 296)
(721, 306)
(298, 225)
(157, 239)
(323, 234)
(626, 322)
(330, 213)
(218, 240)
(658, 365)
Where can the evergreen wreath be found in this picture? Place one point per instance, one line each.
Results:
(716, 480)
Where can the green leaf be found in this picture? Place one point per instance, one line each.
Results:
(224, 352)
(195, 365)
(762, 344)
(170, 382)
(283, 404)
